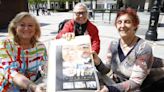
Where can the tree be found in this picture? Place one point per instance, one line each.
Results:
(36, 1)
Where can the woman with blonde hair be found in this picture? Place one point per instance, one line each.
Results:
(22, 55)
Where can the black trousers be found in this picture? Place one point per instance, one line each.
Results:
(157, 86)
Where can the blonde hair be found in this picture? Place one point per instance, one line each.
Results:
(16, 20)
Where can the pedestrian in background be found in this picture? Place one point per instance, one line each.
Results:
(22, 56)
(119, 4)
(80, 25)
(129, 59)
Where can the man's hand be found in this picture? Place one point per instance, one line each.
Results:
(68, 36)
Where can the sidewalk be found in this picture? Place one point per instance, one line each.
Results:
(107, 30)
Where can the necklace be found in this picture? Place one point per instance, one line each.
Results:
(130, 43)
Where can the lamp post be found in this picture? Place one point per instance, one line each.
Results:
(151, 34)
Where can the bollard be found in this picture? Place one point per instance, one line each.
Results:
(151, 34)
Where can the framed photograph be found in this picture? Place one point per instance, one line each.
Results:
(71, 66)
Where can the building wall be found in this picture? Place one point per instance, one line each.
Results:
(136, 4)
(9, 8)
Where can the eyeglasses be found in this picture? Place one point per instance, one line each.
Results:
(80, 13)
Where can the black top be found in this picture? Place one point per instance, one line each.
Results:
(80, 29)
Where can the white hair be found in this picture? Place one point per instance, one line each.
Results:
(80, 5)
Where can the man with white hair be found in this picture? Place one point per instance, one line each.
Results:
(80, 25)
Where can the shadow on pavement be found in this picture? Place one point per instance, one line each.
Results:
(2, 35)
(54, 32)
(160, 39)
(5, 29)
(44, 24)
(161, 25)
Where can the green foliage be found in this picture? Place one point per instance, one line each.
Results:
(42, 1)
(63, 0)
(36, 1)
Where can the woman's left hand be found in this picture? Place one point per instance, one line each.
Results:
(96, 58)
(41, 87)
(104, 89)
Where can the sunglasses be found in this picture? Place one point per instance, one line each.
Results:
(80, 13)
